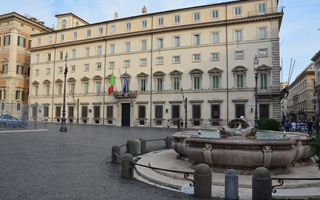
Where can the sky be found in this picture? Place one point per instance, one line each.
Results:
(299, 34)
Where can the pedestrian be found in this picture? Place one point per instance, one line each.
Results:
(283, 122)
(178, 125)
(310, 125)
(294, 126)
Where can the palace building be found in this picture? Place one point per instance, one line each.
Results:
(194, 65)
(15, 41)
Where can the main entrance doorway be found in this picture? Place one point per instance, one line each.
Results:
(125, 121)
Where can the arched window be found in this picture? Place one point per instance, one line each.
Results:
(64, 24)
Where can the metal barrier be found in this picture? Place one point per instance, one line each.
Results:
(186, 174)
(281, 180)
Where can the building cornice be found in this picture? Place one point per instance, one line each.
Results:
(161, 30)
(14, 15)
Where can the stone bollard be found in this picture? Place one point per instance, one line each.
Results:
(261, 184)
(115, 150)
(168, 142)
(143, 145)
(133, 147)
(137, 146)
(231, 185)
(127, 166)
(202, 181)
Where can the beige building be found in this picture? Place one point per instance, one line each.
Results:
(192, 63)
(301, 98)
(15, 40)
(284, 100)
(316, 60)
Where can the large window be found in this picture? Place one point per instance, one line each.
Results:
(142, 84)
(112, 49)
(176, 41)
(127, 47)
(239, 80)
(240, 110)
(196, 39)
(58, 111)
(45, 111)
(6, 40)
(176, 19)
(141, 114)
(196, 16)
(237, 11)
(264, 111)
(158, 114)
(143, 45)
(85, 87)
(175, 115)
(196, 114)
(215, 37)
(160, 43)
(110, 114)
(98, 87)
(238, 35)
(70, 111)
(215, 14)
(96, 111)
(263, 81)
(215, 114)
(159, 84)
(262, 33)
(261, 8)
(21, 41)
(84, 111)
(196, 82)
(176, 83)
(215, 81)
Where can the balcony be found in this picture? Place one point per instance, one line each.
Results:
(130, 94)
(267, 11)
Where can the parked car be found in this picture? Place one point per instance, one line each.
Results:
(12, 122)
(302, 127)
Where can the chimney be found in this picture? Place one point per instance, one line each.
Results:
(115, 16)
(144, 10)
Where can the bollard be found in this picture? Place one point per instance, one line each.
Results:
(261, 184)
(168, 142)
(133, 147)
(143, 146)
(127, 166)
(115, 150)
(202, 181)
(231, 191)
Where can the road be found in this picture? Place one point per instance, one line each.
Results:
(74, 165)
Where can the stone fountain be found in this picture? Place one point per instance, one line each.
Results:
(239, 146)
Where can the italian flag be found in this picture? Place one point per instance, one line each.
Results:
(112, 81)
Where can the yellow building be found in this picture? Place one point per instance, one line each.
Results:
(301, 98)
(192, 64)
(15, 40)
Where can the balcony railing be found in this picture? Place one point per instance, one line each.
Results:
(265, 12)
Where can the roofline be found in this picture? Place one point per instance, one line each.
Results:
(317, 55)
(149, 14)
(304, 72)
(18, 16)
(70, 13)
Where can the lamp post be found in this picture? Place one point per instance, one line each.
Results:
(256, 63)
(185, 101)
(63, 127)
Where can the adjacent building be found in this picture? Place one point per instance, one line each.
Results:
(193, 64)
(15, 41)
(316, 60)
(302, 98)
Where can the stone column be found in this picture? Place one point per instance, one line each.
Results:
(115, 150)
(127, 166)
(261, 184)
(231, 185)
(202, 181)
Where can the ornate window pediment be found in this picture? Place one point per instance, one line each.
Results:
(71, 80)
(239, 68)
(159, 73)
(142, 75)
(97, 78)
(175, 73)
(35, 83)
(59, 81)
(196, 72)
(215, 71)
(124, 75)
(46, 82)
(264, 68)
(84, 78)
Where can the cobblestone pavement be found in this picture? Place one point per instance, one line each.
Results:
(74, 165)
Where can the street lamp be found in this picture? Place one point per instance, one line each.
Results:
(63, 127)
(256, 63)
(185, 101)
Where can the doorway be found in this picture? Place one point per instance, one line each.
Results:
(125, 121)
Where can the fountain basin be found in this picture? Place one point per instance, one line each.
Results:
(271, 149)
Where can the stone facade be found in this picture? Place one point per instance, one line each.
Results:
(193, 63)
(316, 60)
(15, 40)
(301, 98)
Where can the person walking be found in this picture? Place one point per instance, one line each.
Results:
(310, 125)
